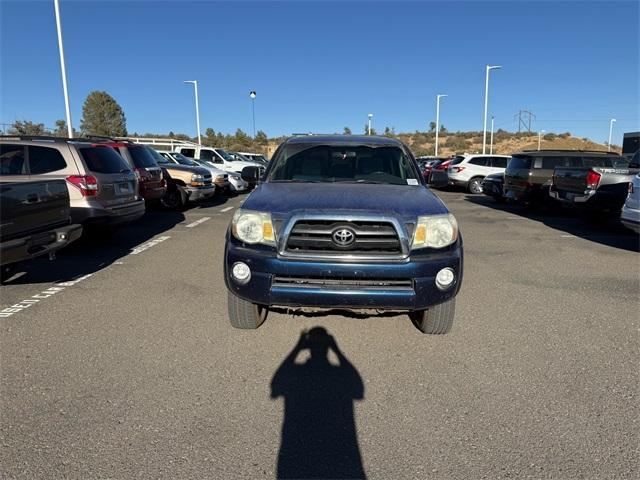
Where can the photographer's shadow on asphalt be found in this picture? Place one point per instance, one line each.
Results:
(319, 438)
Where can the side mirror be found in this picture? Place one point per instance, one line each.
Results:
(250, 174)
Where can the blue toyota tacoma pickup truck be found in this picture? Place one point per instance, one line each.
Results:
(343, 222)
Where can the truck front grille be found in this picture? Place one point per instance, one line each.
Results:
(319, 237)
(405, 284)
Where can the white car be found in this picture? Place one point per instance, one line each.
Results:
(236, 183)
(255, 157)
(630, 216)
(469, 170)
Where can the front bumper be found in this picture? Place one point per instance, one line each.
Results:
(200, 193)
(36, 245)
(630, 218)
(421, 269)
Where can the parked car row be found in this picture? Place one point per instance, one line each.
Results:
(53, 189)
(597, 183)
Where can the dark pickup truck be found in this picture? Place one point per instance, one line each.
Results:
(34, 220)
(600, 186)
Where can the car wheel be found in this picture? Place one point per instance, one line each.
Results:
(435, 320)
(475, 185)
(174, 200)
(244, 314)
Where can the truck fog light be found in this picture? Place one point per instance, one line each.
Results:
(241, 272)
(445, 278)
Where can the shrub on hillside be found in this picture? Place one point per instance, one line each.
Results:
(457, 143)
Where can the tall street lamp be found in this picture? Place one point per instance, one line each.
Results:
(610, 132)
(486, 105)
(370, 117)
(63, 68)
(540, 138)
(438, 97)
(195, 85)
(252, 95)
(491, 143)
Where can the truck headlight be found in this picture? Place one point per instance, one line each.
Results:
(197, 180)
(253, 227)
(435, 231)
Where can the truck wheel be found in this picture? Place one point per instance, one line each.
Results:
(435, 320)
(475, 185)
(243, 314)
(174, 199)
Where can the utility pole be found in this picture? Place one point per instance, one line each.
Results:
(195, 86)
(610, 132)
(521, 120)
(63, 69)
(486, 106)
(438, 97)
(491, 143)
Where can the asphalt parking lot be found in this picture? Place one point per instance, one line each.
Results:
(119, 362)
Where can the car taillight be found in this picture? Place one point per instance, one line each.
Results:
(593, 179)
(142, 174)
(87, 184)
(458, 169)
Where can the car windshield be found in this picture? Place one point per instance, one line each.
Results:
(182, 160)
(340, 163)
(160, 159)
(224, 154)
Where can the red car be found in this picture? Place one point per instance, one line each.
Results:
(438, 176)
(152, 185)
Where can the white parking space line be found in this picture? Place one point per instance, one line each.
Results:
(38, 297)
(226, 209)
(197, 222)
(146, 246)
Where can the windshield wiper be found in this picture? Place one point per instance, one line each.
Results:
(294, 180)
(361, 181)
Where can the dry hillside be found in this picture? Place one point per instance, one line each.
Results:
(471, 142)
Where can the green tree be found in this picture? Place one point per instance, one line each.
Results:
(101, 115)
(261, 138)
(389, 132)
(442, 129)
(210, 138)
(366, 130)
(432, 126)
(26, 127)
(347, 131)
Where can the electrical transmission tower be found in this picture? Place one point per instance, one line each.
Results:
(522, 121)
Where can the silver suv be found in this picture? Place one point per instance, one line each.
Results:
(469, 170)
(102, 187)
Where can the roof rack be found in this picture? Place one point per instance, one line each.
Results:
(569, 150)
(49, 138)
(159, 142)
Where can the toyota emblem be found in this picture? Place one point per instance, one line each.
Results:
(343, 237)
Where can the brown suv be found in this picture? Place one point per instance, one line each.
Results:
(103, 189)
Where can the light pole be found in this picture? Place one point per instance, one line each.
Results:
(540, 138)
(195, 85)
(610, 132)
(438, 97)
(491, 144)
(486, 105)
(63, 68)
(252, 95)
(370, 117)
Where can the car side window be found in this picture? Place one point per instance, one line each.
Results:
(499, 162)
(548, 163)
(45, 160)
(188, 152)
(12, 160)
(480, 161)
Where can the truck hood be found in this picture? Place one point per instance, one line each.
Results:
(403, 201)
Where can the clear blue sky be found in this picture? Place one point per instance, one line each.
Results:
(322, 66)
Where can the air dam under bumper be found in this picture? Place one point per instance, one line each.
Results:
(421, 270)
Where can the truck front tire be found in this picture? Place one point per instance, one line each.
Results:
(244, 314)
(435, 320)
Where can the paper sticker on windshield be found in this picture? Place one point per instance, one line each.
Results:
(412, 181)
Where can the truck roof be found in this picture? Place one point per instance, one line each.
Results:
(346, 140)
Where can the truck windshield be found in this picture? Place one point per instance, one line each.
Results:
(224, 154)
(348, 164)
